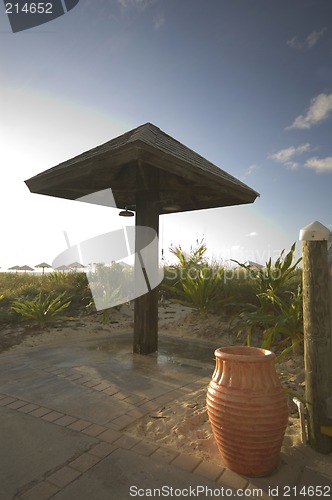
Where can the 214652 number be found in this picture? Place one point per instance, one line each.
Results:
(29, 8)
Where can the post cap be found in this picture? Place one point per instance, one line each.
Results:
(315, 231)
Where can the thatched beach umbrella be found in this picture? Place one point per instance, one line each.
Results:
(14, 268)
(151, 173)
(76, 265)
(26, 268)
(62, 268)
(43, 265)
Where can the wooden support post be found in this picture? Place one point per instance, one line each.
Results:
(146, 306)
(317, 333)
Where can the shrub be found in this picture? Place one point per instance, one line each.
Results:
(43, 309)
(278, 314)
(193, 283)
(199, 292)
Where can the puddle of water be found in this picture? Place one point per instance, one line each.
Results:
(171, 350)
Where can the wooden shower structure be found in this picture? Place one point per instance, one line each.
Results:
(150, 173)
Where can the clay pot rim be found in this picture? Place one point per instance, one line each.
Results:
(244, 354)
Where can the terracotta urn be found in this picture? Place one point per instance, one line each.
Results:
(247, 409)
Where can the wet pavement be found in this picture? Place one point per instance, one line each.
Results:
(64, 409)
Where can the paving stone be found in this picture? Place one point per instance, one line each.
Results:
(40, 366)
(164, 454)
(91, 383)
(193, 387)
(17, 404)
(32, 448)
(286, 473)
(100, 387)
(121, 395)
(7, 400)
(135, 398)
(64, 374)
(42, 491)
(79, 425)
(124, 420)
(144, 448)
(63, 476)
(232, 480)
(165, 398)
(209, 470)
(102, 450)
(53, 415)
(73, 377)
(55, 371)
(157, 392)
(40, 412)
(110, 435)
(126, 442)
(148, 406)
(85, 462)
(110, 391)
(316, 474)
(115, 427)
(186, 462)
(136, 412)
(66, 420)
(83, 379)
(94, 430)
(28, 408)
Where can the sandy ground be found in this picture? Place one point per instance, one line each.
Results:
(181, 424)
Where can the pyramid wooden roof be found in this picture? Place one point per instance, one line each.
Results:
(145, 160)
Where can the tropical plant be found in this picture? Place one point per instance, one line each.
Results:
(198, 292)
(195, 259)
(43, 309)
(193, 282)
(273, 278)
(278, 314)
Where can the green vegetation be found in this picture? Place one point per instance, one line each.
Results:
(192, 282)
(35, 289)
(263, 304)
(43, 309)
(278, 314)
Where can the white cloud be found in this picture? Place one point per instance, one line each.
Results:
(294, 43)
(249, 171)
(320, 165)
(319, 110)
(253, 233)
(313, 38)
(310, 41)
(285, 156)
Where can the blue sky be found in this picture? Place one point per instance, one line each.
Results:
(245, 83)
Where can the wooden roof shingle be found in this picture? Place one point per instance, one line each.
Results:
(181, 176)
